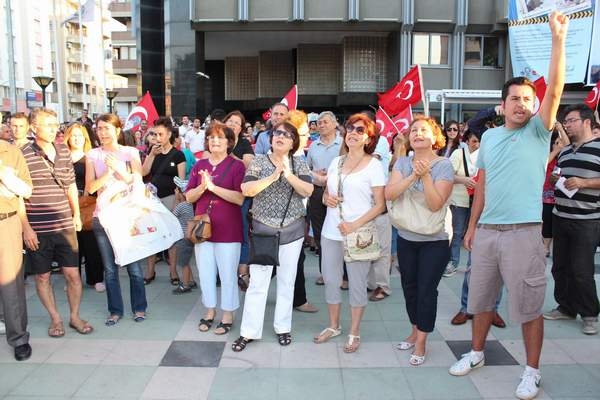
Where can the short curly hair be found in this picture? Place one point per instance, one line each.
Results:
(438, 136)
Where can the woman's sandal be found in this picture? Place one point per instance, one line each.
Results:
(223, 328)
(240, 344)
(175, 281)
(284, 339)
(139, 317)
(352, 344)
(205, 324)
(327, 334)
(404, 345)
(243, 281)
(416, 360)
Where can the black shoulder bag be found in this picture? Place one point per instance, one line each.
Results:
(264, 248)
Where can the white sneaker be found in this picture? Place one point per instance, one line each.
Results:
(2, 328)
(466, 364)
(590, 325)
(100, 287)
(529, 386)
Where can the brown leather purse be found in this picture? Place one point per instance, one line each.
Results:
(199, 229)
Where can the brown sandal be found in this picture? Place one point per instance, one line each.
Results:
(56, 330)
(82, 327)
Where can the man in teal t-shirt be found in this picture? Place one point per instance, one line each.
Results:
(504, 230)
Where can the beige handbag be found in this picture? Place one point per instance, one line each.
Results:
(411, 213)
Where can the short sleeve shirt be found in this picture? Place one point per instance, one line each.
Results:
(48, 209)
(269, 205)
(357, 194)
(164, 169)
(242, 147)
(441, 170)
(514, 161)
(11, 157)
(225, 217)
(320, 155)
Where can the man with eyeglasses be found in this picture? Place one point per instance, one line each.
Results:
(576, 222)
(50, 220)
(504, 231)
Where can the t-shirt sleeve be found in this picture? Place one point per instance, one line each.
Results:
(302, 170)
(246, 147)
(253, 171)
(480, 163)
(376, 173)
(403, 166)
(456, 159)
(179, 157)
(443, 171)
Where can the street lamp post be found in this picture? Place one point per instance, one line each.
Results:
(43, 82)
(111, 94)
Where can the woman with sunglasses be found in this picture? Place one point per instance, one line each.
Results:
(422, 256)
(355, 184)
(278, 182)
(452, 137)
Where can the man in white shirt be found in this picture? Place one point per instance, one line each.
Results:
(194, 139)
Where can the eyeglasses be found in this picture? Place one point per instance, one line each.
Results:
(361, 130)
(283, 133)
(452, 129)
(570, 121)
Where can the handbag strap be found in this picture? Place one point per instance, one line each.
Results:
(465, 162)
(41, 153)
(287, 206)
(210, 203)
(340, 166)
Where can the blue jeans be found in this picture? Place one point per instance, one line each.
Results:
(137, 289)
(460, 217)
(464, 296)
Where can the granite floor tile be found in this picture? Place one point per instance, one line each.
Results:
(437, 354)
(116, 382)
(310, 355)
(437, 383)
(552, 352)
(77, 351)
(495, 353)
(193, 354)
(137, 352)
(369, 355)
(41, 350)
(54, 380)
(245, 383)
(302, 384)
(582, 350)
(179, 383)
(499, 381)
(12, 375)
(569, 381)
(256, 355)
(391, 384)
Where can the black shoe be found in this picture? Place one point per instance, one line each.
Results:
(22, 352)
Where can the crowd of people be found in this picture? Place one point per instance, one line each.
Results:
(518, 190)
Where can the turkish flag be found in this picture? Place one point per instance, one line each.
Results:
(143, 110)
(593, 97)
(290, 100)
(406, 92)
(540, 91)
(390, 126)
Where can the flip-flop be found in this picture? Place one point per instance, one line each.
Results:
(56, 330)
(416, 360)
(352, 344)
(205, 324)
(112, 320)
(404, 345)
(82, 327)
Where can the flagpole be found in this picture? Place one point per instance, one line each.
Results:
(82, 57)
(386, 114)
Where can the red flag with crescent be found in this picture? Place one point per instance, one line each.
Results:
(290, 100)
(593, 97)
(143, 110)
(390, 126)
(540, 92)
(407, 92)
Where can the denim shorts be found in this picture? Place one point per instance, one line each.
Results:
(185, 250)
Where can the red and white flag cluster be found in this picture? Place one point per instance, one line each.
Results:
(143, 110)
(395, 112)
(290, 100)
(593, 97)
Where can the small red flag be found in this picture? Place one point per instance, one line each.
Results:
(390, 126)
(143, 110)
(290, 100)
(593, 97)
(406, 92)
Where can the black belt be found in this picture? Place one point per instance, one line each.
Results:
(508, 227)
(4, 216)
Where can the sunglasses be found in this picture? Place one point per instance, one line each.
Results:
(452, 129)
(283, 133)
(361, 130)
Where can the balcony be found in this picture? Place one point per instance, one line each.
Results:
(73, 38)
(128, 94)
(124, 37)
(75, 98)
(124, 66)
(119, 10)
(74, 57)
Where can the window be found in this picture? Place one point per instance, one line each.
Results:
(430, 48)
(483, 51)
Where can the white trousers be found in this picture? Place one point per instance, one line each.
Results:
(222, 258)
(258, 289)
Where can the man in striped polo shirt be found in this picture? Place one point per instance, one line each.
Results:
(52, 217)
(576, 222)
